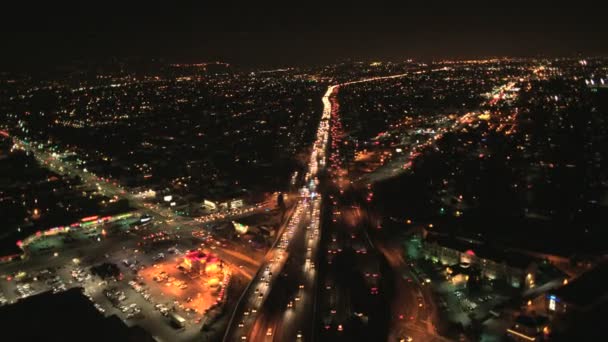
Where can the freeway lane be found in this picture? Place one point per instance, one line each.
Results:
(289, 304)
(246, 319)
(288, 313)
(252, 318)
(255, 319)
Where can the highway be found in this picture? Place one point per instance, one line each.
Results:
(280, 299)
(280, 303)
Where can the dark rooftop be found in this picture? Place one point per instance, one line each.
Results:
(531, 321)
(66, 316)
(588, 289)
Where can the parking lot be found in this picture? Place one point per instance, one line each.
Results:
(457, 303)
(188, 292)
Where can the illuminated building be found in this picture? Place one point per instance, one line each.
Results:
(200, 262)
(515, 269)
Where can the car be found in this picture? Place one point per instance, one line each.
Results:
(269, 332)
(290, 304)
(241, 324)
(299, 335)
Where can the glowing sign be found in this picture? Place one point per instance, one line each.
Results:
(552, 303)
(240, 228)
(89, 218)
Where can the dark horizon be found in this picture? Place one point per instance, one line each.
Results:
(48, 36)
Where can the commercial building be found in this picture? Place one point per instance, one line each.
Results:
(466, 257)
(201, 262)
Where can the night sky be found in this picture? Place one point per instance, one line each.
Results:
(35, 35)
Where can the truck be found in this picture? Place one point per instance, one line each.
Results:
(177, 320)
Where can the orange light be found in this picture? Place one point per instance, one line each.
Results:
(526, 337)
(89, 218)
